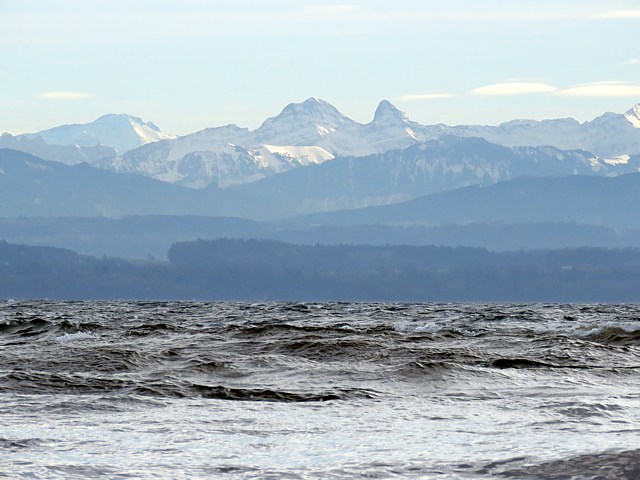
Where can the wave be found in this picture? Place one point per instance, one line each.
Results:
(256, 395)
(169, 387)
(34, 327)
(16, 445)
(613, 333)
(163, 349)
(25, 328)
(519, 363)
(620, 465)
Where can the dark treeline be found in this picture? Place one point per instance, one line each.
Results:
(151, 236)
(270, 270)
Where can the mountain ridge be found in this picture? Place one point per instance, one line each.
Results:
(309, 132)
(317, 123)
(122, 132)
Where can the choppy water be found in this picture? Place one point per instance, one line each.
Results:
(231, 390)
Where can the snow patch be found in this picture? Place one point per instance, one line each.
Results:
(305, 155)
(619, 160)
(149, 135)
(633, 116)
(411, 133)
(324, 130)
(595, 164)
(37, 166)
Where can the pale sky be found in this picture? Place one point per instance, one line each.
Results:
(192, 64)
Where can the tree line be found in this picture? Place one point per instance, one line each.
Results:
(226, 269)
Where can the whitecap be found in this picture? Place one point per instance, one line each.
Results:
(412, 328)
(74, 337)
(597, 329)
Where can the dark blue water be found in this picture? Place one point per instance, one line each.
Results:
(283, 390)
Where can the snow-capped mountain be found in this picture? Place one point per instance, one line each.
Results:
(306, 123)
(633, 116)
(232, 155)
(608, 136)
(214, 156)
(119, 131)
(310, 132)
(316, 122)
(391, 129)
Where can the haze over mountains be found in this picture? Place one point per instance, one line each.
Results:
(522, 184)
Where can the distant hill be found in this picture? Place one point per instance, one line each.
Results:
(30, 186)
(67, 154)
(395, 176)
(600, 201)
(150, 237)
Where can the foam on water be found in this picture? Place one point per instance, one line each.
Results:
(75, 337)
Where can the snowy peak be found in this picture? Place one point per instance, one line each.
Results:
(388, 114)
(312, 107)
(113, 119)
(116, 118)
(633, 116)
(303, 123)
(312, 110)
(147, 132)
(119, 131)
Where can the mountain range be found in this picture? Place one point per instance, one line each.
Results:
(33, 187)
(312, 175)
(304, 134)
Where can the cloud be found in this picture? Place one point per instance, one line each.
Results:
(619, 14)
(513, 88)
(602, 89)
(634, 61)
(425, 96)
(596, 89)
(64, 95)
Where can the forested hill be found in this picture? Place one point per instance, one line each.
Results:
(268, 270)
(44, 258)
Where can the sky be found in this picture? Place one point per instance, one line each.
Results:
(192, 64)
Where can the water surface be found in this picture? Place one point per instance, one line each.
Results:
(292, 390)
